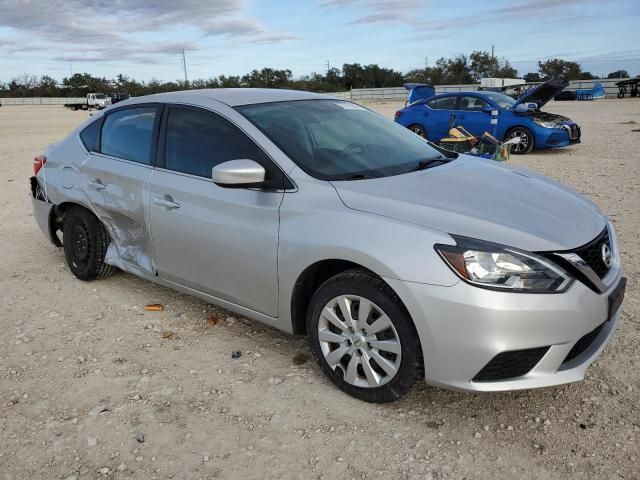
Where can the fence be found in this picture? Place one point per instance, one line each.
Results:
(399, 93)
(41, 100)
(370, 94)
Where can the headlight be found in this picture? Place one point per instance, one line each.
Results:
(548, 124)
(494, 266)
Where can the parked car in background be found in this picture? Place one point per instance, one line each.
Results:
(431, 116)
(317, 216)
(98, 101)
(118, 97)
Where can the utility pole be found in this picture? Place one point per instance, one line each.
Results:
(70, 69)
(492, 47)
(328, 67)
(184, 64)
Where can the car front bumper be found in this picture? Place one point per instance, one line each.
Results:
(463, 328)
(568, 134)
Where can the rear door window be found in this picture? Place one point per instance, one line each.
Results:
(129, 134)
(196, 141)
(443, 103)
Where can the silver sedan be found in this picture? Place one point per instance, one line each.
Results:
(316, 216)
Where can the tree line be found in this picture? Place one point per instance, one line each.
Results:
(461, 69)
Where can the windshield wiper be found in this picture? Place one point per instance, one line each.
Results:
(429, 162)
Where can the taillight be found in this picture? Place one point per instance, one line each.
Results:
(397, 115)
(38, 163)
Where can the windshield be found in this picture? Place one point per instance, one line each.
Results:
(339, 140)
(502, 100)
(100, 95)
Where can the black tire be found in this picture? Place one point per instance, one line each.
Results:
(85, 242)
(524, 133)
(364, 284)
(418, 130)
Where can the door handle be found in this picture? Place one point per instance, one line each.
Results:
(96, 185)
(166, 202)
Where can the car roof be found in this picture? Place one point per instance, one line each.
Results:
(233, 96)
(482, 93)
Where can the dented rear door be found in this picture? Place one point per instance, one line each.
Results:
(117, 184)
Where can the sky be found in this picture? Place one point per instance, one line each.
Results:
(144, 39)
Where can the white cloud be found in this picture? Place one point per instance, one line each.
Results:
(103, 30)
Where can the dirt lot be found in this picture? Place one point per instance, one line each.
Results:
(176, 405)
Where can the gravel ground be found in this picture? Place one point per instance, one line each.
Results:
(94, 386)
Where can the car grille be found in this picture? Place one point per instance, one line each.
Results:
(582, 345)
(591, 253)
(511, 364)
(574, 132)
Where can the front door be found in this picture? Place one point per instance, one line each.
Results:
(116, 175)
(219, 241)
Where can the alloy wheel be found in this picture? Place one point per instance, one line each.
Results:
(524, 141)
(359, 341)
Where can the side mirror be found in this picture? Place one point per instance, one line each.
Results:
(238, 174)
(488, 109)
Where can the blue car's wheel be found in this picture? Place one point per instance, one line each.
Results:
(527, 141)
(418, 130)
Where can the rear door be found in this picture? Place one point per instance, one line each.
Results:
(220, 241)
(116, 181)
(439, 115)
(471, 115)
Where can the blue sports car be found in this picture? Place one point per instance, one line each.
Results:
(431, 116)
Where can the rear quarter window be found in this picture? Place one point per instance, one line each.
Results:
(89, 136)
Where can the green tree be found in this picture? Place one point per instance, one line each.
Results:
(619, 74)
(532, 77)
(267, 78)
(454, 70)
(556, 67)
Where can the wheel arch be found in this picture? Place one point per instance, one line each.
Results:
(531, 130)
(56, 219)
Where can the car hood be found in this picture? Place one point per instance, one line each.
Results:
(484, 200)
(543, 93)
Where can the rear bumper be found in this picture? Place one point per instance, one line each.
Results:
(463, 328)
(42, 211)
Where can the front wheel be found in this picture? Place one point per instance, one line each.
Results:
(85, 243)
(527, 141)
(363, 338)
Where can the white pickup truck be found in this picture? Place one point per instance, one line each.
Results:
(93, 100)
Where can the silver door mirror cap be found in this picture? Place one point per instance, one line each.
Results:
(238, 173)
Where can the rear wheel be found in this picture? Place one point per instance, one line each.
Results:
(363, 338)
(418, 130)
(85, 243)
(527, 141)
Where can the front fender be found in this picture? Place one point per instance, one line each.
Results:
(315, 225)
